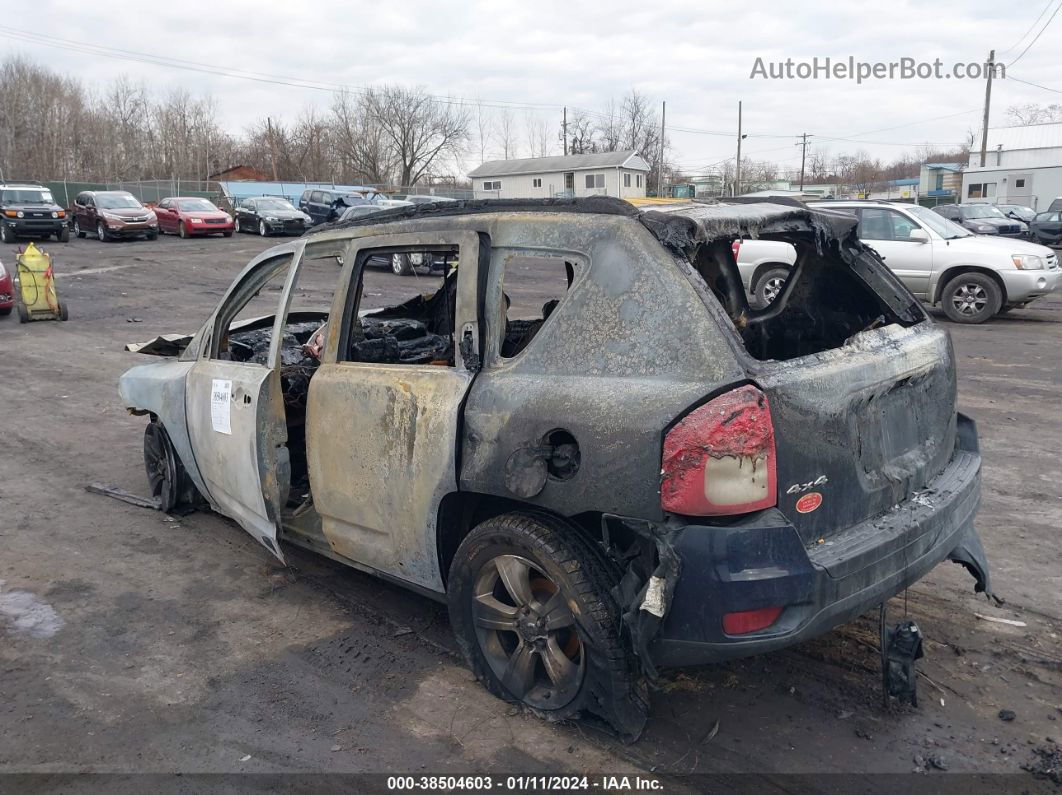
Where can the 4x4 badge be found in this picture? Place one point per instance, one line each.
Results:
(796, 488)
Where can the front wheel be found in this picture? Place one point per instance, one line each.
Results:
(182, 231)
(531, 606)
(7, 235)
(236, 225)
(169, 482)
(400, 264)
(971, 298)
(769, 285)
(77, 228)
(63, 235)
(101, 232)
(263, 230)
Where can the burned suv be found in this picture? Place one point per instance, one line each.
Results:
(642, 472)
(28, 209)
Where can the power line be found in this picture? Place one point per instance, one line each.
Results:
(1027, 32)
(1038, 35)
(1035, 85)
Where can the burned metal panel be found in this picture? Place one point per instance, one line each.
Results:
(628, 349)
(382, 439)
(159, 388)
(243, 460)
(380, 443)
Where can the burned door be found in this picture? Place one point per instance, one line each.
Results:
(383, 411)
(235, 410)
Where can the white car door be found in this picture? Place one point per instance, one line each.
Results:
(888, 232)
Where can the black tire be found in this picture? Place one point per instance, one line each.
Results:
(167, 479)
(400, 265)
(77, 229)
(101, 232)
(581, 663)
(153, 235)
(263, 230)
(182, 231)
(971, 298)
(5, 311)
(63, 236)
(6, 235)
(769, 284)
(64, 314)
(236, 225)
(23, 314)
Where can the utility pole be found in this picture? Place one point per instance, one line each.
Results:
(272, 147)
(737, 167)
(988, 102)
(564, 127)
(660, 164)
(803, 157)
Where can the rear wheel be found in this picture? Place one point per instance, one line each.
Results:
(63, 236)
(531, 607)
(769, 285)
(971, 298)
(400, 264)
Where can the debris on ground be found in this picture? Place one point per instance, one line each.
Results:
(1047, 763)
(123, 495)
(1007, 715)
(996, 620)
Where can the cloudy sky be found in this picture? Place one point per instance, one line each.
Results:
(694, 54)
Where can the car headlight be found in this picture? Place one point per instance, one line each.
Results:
(21, 214)
(196, 220)
(110, 216)
(271, 218)
(985, 229)
(55, 215)
(152, 216)
(1027, 262)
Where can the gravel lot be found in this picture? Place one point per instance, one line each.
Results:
(166, 644)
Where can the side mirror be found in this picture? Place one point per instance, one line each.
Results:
(918, 236)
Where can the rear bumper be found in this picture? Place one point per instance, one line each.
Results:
(761, 562)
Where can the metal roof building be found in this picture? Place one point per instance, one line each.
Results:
(621, 174)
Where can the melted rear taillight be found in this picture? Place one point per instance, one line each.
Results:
(736, 247)
(720, 458)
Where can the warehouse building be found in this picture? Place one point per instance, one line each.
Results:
(1023, 166)
(622, 174)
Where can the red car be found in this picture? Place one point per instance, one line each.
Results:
(187, 216)
(7, 291)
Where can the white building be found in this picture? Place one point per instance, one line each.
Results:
(1023, 166)
(622, 174)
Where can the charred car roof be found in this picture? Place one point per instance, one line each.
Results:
(680, 227)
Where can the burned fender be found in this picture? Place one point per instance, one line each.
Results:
(971, 555)
(651, 569)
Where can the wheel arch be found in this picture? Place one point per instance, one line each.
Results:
(461, 511)
(956, 270)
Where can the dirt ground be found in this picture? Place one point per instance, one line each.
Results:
(132, 641)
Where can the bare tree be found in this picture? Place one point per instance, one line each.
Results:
(1032, 113)
(505, 133)
(536, 130)
(362, 146)
(419, 129)
(581, 134)
(484, 129)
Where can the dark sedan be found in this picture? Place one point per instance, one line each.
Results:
(982, 219)
(1046, 228)
(270, 215)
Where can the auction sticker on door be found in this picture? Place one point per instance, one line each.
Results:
(220, 405)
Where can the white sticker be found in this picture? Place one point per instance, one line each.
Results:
(220, 399)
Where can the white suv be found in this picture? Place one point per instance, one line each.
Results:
(972, 277)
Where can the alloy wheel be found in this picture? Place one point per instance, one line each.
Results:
(161, 465)
(101, 232)
(969, 299)
(527, 632)
(262, 229)
(772, 287)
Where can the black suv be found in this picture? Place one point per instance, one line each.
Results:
(328, 205)
(28, 209)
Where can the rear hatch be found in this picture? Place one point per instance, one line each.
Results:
(860, 428)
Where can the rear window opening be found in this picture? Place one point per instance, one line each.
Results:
(824, 302)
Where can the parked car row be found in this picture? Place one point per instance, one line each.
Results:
(972, 277)
(29, 210)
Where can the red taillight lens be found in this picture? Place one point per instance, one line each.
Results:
(750, 620)
(736, 247)
(720, 458)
